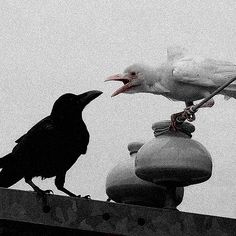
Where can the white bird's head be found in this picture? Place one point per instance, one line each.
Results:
(134, 78)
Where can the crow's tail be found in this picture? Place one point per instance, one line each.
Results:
(9, 176)
(5, 160)
(11, 172)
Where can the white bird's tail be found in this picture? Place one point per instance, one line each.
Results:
(225, 71)
(229, 91)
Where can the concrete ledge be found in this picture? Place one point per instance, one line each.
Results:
(21, 211)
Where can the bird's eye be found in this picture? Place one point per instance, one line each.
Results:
(133, 73)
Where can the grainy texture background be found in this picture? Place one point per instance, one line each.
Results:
(51, 47)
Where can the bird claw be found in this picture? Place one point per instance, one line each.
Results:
(48, 191)
(189, 114)
(173, 126)
(86, 196)
(178, 118)
(175, 121)
(43, 193)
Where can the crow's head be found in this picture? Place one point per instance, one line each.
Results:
(71, 105)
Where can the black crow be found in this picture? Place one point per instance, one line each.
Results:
(50, 147)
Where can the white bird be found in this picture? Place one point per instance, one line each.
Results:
(182, 77)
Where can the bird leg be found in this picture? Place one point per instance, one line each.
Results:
(187, 114)
(190, 116)
(66, 191)
(41, 193)
(59, 182)
(178, 118)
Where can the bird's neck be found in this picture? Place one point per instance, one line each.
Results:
(69, 122)
(153, 80)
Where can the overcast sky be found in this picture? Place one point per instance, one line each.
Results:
(48, 48)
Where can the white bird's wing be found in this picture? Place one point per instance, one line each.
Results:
(203, 72)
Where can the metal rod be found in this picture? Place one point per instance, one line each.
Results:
(195, 107)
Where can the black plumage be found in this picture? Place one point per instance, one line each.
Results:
(51, 146)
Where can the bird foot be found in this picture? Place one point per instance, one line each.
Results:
(178, 118)
(173, 126)
(176, 121)
(188, 114)
(44, 192)
(86, 196)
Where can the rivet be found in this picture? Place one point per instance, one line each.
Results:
(106, 216)
(141, 221)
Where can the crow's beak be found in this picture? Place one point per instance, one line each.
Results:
(86, 98)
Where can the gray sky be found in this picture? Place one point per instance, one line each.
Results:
(48, 48)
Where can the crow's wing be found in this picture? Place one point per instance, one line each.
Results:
(41, 139)
(203, 72)
(42, 128)
(46, 139)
